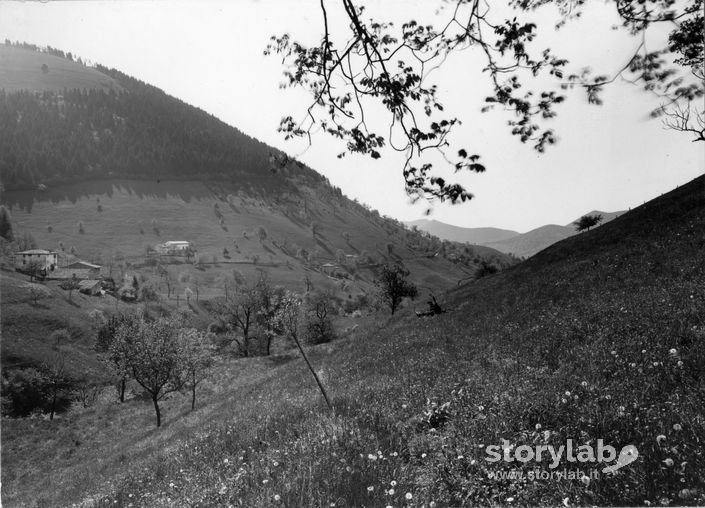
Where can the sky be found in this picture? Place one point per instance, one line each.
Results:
(209, 53)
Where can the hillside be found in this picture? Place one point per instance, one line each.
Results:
(248, 210)
(600, 336)
(521, 245)
(77, 132)
(22, 69)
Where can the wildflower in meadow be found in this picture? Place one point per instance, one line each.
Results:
(567, 394)
(370, 488)
(390, 492)
(660, 438)
(510, 500)
(393, 483)
(677, 427)
(673, 351)
(277, 497)
(585, 479)
(408, 496)
(538, 426)
(584, 384)
(668, 462)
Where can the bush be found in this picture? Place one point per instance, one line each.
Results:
(25, 391)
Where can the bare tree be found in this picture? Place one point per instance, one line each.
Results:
(197, 358)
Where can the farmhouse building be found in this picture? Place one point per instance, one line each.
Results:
(175, 248)
(48, 260)
(90, 287)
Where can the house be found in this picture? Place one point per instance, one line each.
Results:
(175, 248)
(48, 260)
(328, 268)
(90, 287)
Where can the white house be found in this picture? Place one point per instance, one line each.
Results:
(174, 248)
(48, 260)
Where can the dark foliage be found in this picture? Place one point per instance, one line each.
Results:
(139, 132)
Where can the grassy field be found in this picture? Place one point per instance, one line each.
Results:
(601, 336)
(22, 70)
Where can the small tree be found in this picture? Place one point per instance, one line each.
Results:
(6, 225)
(37, 292)
(587, 221)
(261, 233)
(197, 358)
(34, 269)
(153, 356)
(70, 285)
(57, 380)
(112, 353)
(394, 286)
(238, 310)
(318, 324)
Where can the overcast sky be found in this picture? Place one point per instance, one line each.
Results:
(210, 54)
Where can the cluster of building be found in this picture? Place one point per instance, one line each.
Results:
(48, 264)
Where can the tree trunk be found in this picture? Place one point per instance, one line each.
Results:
(53, 405)
(315, 376)
(122, 390)
(269, 343)
(193, 395)
(156, 409)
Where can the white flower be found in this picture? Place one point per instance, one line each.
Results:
(673, 351)
(677, 427)
(372, 456)
(393, 483)
(585, 479)
(614, 352)
(564, 401)
(660, 438)
(277, 497)
(668, 462)
(567, 394)
(226, 461)
(391, 492)
(510, 500)
(480, 408)
(370, 488)
(423, 455)
(680, 363)
(584, 384)
(408, 496)
(538, 426)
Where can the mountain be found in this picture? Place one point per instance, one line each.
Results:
(477, 236)
(507, 241)
(529, 243)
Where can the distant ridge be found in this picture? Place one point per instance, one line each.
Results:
(477, 236)
(505, 240)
